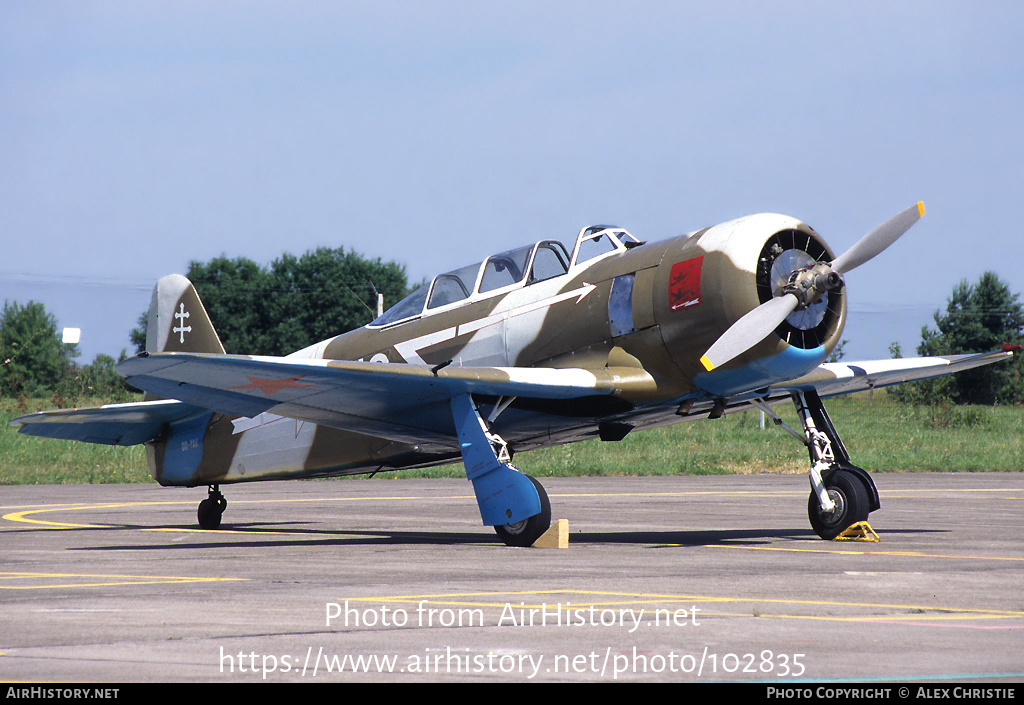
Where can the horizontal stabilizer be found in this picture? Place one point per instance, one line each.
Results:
(114, 424)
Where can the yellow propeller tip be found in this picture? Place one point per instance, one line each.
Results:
(920, 209)
(707, 363)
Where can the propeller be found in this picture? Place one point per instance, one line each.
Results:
(805, 287)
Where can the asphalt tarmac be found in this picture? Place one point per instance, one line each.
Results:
(664, 579)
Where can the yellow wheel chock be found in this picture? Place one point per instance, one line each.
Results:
(861, 531)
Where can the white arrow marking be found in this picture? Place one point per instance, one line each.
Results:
(543, 303)
(409, 349)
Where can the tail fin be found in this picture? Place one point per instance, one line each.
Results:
(178, 322)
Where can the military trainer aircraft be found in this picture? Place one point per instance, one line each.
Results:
(533, 347)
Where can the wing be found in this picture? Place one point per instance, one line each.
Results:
(399, 401)
(114, 424)
(833, 379)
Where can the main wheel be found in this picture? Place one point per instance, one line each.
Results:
(525, 532)
(851, 504)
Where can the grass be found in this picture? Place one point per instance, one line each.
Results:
(25, 460)
(880, 434)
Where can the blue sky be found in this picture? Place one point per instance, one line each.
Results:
(137, 136)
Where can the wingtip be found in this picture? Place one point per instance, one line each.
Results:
(707, 363)
(920, 209)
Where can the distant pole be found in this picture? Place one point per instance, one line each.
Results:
(380, 304)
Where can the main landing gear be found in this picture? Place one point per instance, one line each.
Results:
(513, 503)
(842, 494)
(211, 509)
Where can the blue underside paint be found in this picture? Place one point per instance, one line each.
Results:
(504, 494)
(184, 451)
(789, 364)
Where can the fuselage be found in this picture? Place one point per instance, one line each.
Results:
(609, 302)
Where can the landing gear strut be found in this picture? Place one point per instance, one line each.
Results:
(841, 493)
(513, 503)
(211, 509)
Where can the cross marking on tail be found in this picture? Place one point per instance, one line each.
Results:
(183, 314)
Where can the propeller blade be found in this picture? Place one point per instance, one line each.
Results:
(748, 331)
(756, 325)
(878, 239)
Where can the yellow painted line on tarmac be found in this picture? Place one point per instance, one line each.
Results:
(194, 501)
(853, 552)
(20, 517)
(65, 580)
(23, 516)
(184, 530)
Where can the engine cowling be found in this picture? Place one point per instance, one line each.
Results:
(710, 279)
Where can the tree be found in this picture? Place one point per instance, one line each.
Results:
(296, 302)
(98, 379)
(32, 358)
(978, 317)
(327, 292)
(236, 293)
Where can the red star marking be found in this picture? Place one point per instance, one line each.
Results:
(270, 387)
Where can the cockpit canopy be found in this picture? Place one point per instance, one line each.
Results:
(508, 270)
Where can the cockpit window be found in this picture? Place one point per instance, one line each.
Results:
(550, 261)
(505, 269)
(411, 305)
(545, 260)
(453, 286)
(595, 247)
(600, 240)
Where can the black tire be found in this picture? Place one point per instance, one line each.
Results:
(852, 504)
(210, 511)
(526, 532)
